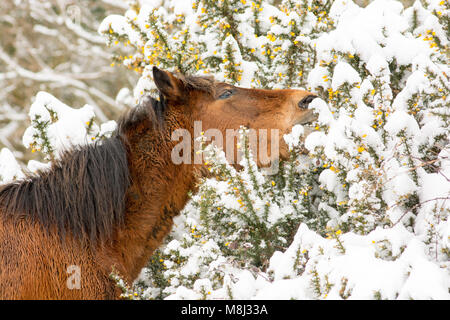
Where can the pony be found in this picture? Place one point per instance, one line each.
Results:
(107, 206)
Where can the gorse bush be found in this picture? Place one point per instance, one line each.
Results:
(235, 222)
(377, 154)
(360, 210)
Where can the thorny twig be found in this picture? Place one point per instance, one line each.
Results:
(417, 205)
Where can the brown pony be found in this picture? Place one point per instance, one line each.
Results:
(109, 205)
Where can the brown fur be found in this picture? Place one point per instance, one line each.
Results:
(110, 205)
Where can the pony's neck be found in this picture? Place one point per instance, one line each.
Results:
(158, 192)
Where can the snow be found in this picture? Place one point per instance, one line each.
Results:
(401, 121)
(365, 273)
(376, 65)
(9, 168)
(293, 139)
(37, 166)
(64, 126)
(125, 97)
(343, 73)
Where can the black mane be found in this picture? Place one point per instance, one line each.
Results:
(84, 191)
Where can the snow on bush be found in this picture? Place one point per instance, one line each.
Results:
(364, 215)
(56, 127)
(371, 200)
(9, 168)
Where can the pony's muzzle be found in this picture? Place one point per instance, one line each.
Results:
(304, 103)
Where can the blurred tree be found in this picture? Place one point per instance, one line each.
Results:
(53, 45)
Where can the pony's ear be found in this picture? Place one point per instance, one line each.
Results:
(170, 87)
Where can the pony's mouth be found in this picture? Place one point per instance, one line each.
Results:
(308, 118)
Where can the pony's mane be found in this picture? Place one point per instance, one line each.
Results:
(84, 191)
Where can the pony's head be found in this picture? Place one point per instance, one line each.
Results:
(223, 108)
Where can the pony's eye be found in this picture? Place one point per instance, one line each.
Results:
(226, 94)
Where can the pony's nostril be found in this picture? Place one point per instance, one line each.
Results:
(306, 101)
